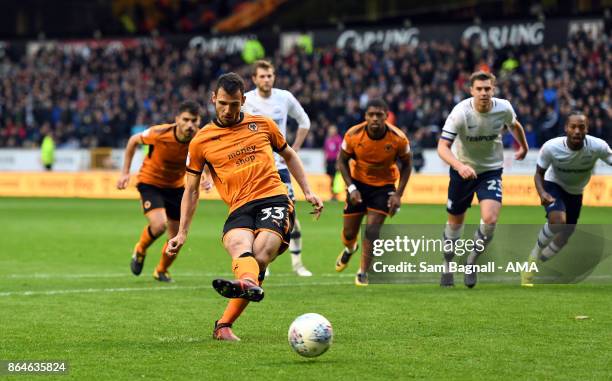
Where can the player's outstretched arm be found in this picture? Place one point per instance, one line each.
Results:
(189, 203)
(294, 164)
(538, 178)
(395, 200)
(518, 132)
(444, 151)
(130, 149)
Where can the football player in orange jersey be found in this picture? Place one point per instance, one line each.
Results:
(374, 147)
(237, 148)
(161, 182)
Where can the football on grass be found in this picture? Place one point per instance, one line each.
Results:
(310, 335)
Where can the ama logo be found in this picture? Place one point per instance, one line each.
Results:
(515, 267)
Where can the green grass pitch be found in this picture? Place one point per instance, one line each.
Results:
(66, 293)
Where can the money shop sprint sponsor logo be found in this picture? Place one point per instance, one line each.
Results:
(243, 155)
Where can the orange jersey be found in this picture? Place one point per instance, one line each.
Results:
(374, 161)
(164, 166)
(240, 158)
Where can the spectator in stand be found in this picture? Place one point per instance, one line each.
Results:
(92, 96)
(416, 146)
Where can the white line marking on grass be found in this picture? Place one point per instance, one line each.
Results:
(94, 275)
(93, 290)
(138, 289)
(128, 275)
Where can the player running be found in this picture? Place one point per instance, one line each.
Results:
(374, 147)
(565, 165)
(476, 125)
(161, 182)
(237, 148)
(277, 104)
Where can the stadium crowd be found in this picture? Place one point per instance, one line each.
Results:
(95, 97)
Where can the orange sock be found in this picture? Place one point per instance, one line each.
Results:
(234, 309)
(165, 261)
(146, 239)
(244, 268)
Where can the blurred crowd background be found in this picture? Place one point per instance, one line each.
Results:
(97, 97)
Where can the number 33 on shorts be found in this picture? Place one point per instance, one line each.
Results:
(278, 218)
(276, 212)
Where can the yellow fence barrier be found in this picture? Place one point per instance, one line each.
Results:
(422, 189)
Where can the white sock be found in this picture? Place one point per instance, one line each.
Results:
(295, 244)
(296, 259)
(550, 251)
(484, 233)
(535, 252)
(545, 236)
(452, 235)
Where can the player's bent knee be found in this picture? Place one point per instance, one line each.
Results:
(158, 227)
(266, 246)
(237, 245)
(456, 220)
(557, 219)
(264, 256)
(490, 219)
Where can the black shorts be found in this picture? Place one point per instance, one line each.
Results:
(487, 186)
(374, 199)
(274, 214)
(155, 197)
(569, 203)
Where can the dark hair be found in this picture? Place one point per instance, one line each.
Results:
(377, 102)
(191, 107)
(230, 82)
(481, 76)
(576, 112)
(261, 64)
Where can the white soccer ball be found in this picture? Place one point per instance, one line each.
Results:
(310, 335)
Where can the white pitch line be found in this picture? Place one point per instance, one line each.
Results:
(121, 275)
(94, 275)
(92, 290)
(137, 289)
